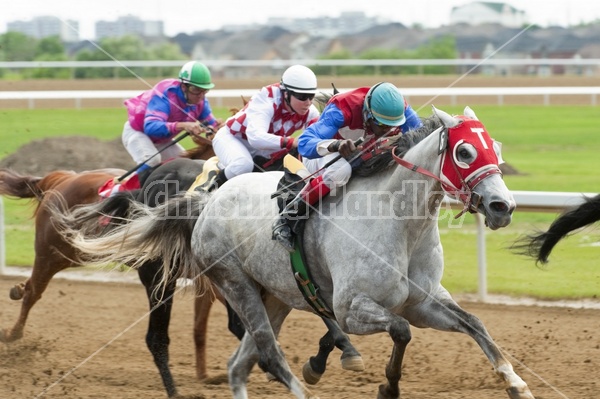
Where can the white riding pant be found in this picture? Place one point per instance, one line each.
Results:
(336, 175)
(141, 147)
(235, 155)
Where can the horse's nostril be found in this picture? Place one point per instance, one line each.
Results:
(500, 207)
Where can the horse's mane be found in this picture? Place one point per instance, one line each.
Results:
(400, 145)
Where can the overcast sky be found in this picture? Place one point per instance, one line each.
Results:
(191, 16)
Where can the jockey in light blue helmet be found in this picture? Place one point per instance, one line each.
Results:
(385, 105)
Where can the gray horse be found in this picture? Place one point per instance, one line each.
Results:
(373, 248)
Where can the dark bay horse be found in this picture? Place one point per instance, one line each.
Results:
(539, 245)
(374, 249)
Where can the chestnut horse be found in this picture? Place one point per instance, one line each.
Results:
(53, 254)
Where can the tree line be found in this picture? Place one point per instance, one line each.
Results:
(16, 46)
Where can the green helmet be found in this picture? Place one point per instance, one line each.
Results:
(385, 104)
(196, 74)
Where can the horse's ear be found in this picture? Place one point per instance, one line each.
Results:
(335, 90)
(469, 113)
(447, 119)
(443, 143)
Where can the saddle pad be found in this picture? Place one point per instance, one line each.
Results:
(209, 170)
(113, 186)
(295, 166)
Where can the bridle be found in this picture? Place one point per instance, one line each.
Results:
(462, 188)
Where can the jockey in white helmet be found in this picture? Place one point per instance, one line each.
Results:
(263, 129)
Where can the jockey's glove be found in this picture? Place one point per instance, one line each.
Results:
(344, 147)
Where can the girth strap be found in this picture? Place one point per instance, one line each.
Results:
(309, 290)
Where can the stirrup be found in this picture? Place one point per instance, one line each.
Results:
(210, 184)
(282, 233)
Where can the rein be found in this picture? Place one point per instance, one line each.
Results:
(203, 140)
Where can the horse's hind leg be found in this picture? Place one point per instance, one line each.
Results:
(32, 289)
(313, 370)
(445, 315)
(259, 342)
(202, 305)
(157, 336)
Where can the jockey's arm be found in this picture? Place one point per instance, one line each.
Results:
(315, 139)
(259, 115)
(156, 123)
(207, 118)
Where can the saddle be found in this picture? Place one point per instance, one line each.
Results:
(210, 170)
(290, 185)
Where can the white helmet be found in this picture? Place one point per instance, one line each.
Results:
(299, 79)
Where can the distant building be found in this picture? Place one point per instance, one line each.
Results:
(347, 23)
(41, 27)
(481, 12)
(129, 25)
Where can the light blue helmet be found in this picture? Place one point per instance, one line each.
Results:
(385, 104)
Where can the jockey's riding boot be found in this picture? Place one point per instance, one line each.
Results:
(215, 181)
(282, 228)
(298, 208)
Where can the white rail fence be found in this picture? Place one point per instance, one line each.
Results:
(279, 64)
(216, 96)
(527, 201)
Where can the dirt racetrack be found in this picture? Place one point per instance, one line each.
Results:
(86, 340)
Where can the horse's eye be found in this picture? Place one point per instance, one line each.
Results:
(465, 155)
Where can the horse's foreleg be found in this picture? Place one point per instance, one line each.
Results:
(157, 336)
(351, 358)
(446, 315)
(314, 368)
(365, 316)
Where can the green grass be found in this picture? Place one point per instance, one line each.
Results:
(22, 126)
(554, 149)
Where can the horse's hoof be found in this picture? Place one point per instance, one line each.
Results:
(310, 376)
(6, 337)
(16, 292)
(519, 393)
(353, 363)
(216, 380)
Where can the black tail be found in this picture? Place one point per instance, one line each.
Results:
(539, 246)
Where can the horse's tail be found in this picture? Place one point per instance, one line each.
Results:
(146, 234)
(16, 185)
(539, 246)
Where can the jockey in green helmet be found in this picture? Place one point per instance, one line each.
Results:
(196, 74)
